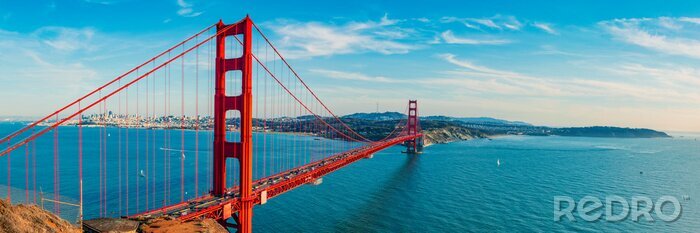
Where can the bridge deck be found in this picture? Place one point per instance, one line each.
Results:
(223, 207)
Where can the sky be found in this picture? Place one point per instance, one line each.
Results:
(554, 63)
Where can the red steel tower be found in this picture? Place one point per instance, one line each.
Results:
(242, 103)
(414, 145)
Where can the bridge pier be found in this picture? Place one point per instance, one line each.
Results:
(414, 146)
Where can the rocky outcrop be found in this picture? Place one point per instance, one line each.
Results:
(450, 134)
(30, 218)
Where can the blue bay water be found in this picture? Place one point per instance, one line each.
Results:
(455, 187)
(458, 187)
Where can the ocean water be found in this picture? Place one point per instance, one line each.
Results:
(458, 187)
(454, 187)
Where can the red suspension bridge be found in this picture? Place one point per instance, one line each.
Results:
(212, 126)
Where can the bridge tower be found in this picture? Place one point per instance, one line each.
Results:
(243, 103)
(415, 145)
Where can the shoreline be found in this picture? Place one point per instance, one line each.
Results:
(189, 129)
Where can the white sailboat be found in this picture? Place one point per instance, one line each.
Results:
(498, 162)
(142, 174)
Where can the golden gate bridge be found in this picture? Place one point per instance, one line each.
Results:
(224, 97)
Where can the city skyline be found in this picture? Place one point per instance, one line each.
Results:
(624, 64)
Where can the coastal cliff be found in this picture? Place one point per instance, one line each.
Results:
(450, 134)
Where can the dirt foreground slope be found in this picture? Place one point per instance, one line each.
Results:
(31, 218)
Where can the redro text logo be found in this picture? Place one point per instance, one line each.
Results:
(616, 208)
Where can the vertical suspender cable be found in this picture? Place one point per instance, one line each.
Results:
(182, 127)
(136, 131)
(127, 160)
(34, 169)
(196, 127)
(119, 151)
(80, 164)
(148, 132)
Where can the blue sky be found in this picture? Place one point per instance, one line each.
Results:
(628, 63)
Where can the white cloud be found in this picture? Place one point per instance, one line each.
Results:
(497, 22)
(449, 38)
(353, 76)
(66, 39)
(546, 27)
(669, 23)
(487, 23)
(501, 82)
(385, 21)
(484, 79)
(451, 58)
(671, 76)
(186, 9)
(422, 20)
(310, 39)
(512, 26)
(639, 32)
(511, 22)
(553, 50)
(689, 20)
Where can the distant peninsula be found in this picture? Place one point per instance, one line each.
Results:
(444, 129)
